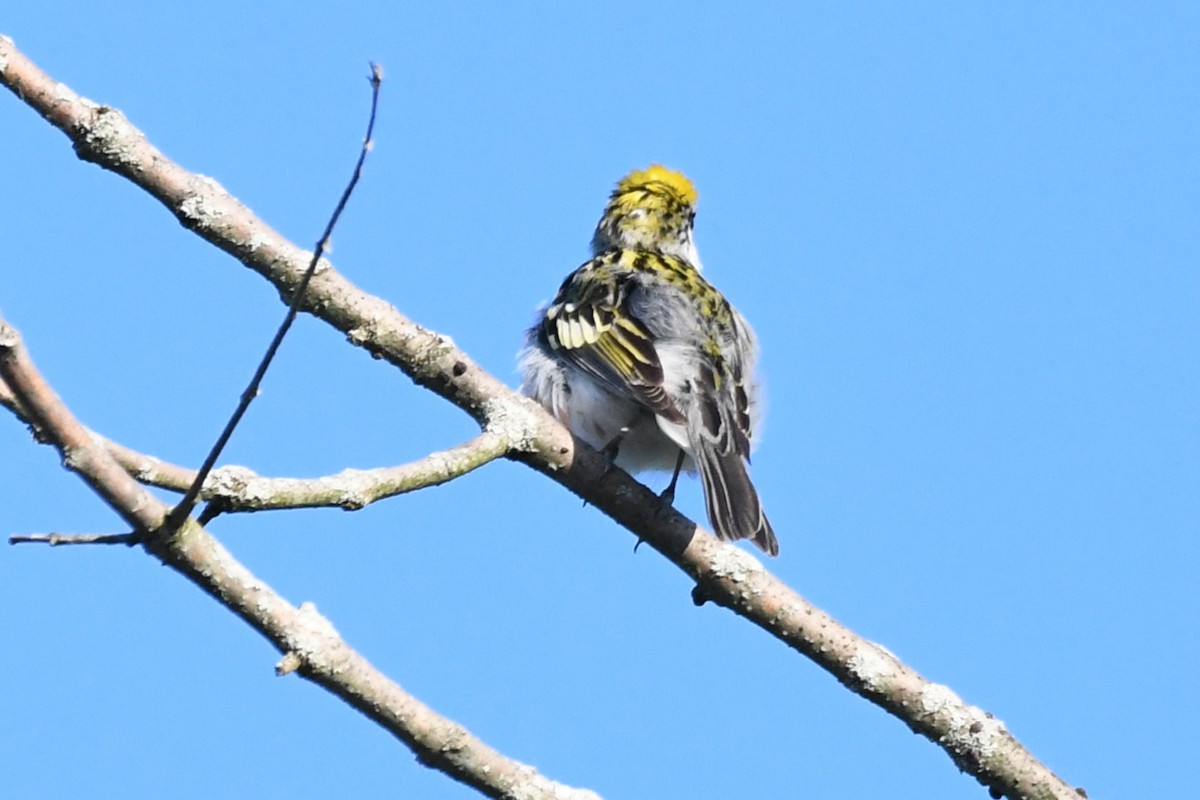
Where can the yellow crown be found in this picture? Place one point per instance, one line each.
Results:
(657, 173)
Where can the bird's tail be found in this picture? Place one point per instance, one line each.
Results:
(732, 502)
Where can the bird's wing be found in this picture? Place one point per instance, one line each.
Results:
(590, 325)
(720, 410)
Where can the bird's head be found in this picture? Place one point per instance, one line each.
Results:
(650, 209)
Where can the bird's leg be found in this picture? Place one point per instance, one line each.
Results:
(610, 450)
(668, 494)
(667, 498)
(613, 448)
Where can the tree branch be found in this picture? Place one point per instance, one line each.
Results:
(58, 539)
(239, 489)
(977, 742)
(307, 640)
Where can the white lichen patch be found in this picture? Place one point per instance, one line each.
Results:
(513, 422)
(258, 240)
(355, 487)
(936, 698)
(111, 135)
(968, 728)
(197, 208)
(145, 471)
(229, 480)
(872, 665)
(312, 634)
(732, 563)
(263, 605)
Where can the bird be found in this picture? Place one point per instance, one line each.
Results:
(643, 359)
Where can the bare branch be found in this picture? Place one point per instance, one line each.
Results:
(240, 489)
(308, 641)
(56, 539)
(977, 742)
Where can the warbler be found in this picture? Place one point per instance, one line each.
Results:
(642, 358)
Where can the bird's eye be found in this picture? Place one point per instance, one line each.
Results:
(637, 213)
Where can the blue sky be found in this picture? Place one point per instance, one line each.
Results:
(966, 236)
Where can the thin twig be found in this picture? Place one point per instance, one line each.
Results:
(56, 539)
(188, 502)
